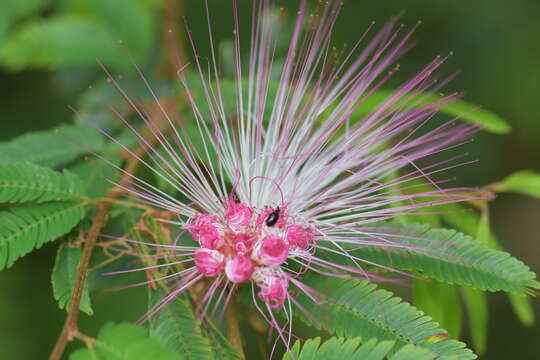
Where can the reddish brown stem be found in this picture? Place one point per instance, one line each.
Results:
(174, 58)
(70, 326)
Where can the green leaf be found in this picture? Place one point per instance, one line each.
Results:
(342, 349)
(521, 304)
(469, 222)
(55, 42)
(94, 174)
(523, 182)
(64, 276)
(523, 308)
(454, 258)
(124, 342)
(23, 182)
(477, 309)
(91, 103)
(16, 9)
(412, 352)
(28, 227)
(134, 24)
(458, 108)
(354, 308)
(461, 217)
(440, 301)
(179, 330)
(13, 10)
(476, 301)
(483, 232)
(52, 148)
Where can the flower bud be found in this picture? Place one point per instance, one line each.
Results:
(238, 216)
(298, 236)
(273, 290)
(239, 269)
(243, 243)
(204, 230)
(273, 250)
(209, 262)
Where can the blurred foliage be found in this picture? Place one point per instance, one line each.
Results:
(124, 341)
(75, 32)
(525, 182)
(64, 144)
(459, 109)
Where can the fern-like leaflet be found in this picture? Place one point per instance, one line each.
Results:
(28, 227)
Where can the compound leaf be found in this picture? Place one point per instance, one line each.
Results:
(352, 349)
(179, 330)
(25, 228)
(355, 308)
(23, 182)
(454, 258)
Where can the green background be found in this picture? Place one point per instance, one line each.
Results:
(495, 45)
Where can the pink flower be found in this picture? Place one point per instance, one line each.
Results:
(308, 164)
(274, 290)
(238, 215)
(299, 236)
(243, 243)
(273, 251)
(204, 230)
(239, 269)
(209, 262)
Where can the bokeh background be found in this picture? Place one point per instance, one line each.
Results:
(495, 45)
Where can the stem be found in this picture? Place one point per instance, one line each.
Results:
(70, 326)
(174, 57)
(233, 330)
(89, 341)
(496, 187)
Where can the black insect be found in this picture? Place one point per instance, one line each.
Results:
(273, 218)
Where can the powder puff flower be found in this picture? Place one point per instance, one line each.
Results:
(289, 172)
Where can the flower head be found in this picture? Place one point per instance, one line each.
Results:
(298, 165)
(250, 242)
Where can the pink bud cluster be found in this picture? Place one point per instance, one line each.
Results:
(246, 246)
